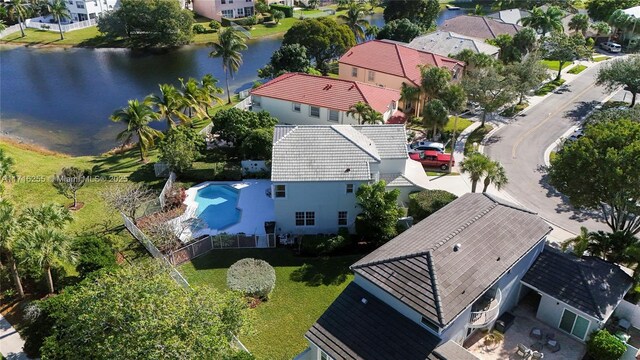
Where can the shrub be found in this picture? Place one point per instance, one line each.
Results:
(549, 87)
(604, 346)
(214, 25)
(287, 10)
(426, 202)
(252, 277)
(199, 29)
(95, 253)
(317, 245)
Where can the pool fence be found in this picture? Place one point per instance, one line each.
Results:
(220, 241)
(166, 189)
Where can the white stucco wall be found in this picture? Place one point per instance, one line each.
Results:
(212, 9)
(550, 312)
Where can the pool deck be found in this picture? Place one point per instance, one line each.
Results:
(253, 201)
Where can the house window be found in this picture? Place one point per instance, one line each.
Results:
(333, 115)
(296, 107)
(325, 356)
(227, 14)
(314, 111)
(371, 75)
(230, 1)
(281, 191)
(342, 218)
(80, 4)
(248, 11)
(223, 2)
(240, 12)
(307, 218)
(255, 100)
(349, 188)
(574, 324)
(70, 2)
(354, 72)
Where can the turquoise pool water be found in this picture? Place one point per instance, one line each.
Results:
(217, 206)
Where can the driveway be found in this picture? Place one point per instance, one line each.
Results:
(520, 147)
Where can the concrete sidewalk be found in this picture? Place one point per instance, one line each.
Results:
(11, 343)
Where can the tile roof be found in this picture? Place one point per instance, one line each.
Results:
(327, 92)
(510, 16)
(351, 329)
(480, 27)
(453, 351)
(333, 152)
(420, 268)
(589, 284)
(448, 43)
(394, 58)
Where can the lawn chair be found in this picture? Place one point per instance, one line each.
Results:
(537, 355)
(523, 351)
(536, 333)
(553, 345)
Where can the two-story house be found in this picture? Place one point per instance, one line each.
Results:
(230, 9)
(422, 294)
(81, 10)
(316, 171)
(390, 64)
(303, 99)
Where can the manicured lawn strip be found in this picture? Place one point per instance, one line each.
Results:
(554, 64)
(301, 294)
(577, 69)
(476, 136)
(601, 58)
(549, 87)
(462, 124)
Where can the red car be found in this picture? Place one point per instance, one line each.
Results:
(433, 159)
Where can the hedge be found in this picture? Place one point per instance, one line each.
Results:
(245, 21)
(604, 346)
(252, 277)
(287, 10)
(426, 202)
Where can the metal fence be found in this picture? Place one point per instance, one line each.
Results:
(43, 24)
(167, 187)
(221, 241)
(161, 169)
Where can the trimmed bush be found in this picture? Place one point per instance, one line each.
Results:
(604, 346)
(252, 277)
(426, 202)
(316, 245)
(214, 25)
(287, 10)
(95, 253)
(199, 29)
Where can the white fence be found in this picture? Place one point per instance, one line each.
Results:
(167, 187)
(44, 24)
(253, 166)
(10, 30)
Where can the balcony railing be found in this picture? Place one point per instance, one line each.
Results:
(483, 318)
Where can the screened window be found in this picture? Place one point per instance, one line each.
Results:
(314, 111)
(296, 107)
(354, 72)
(255, 100)
(574, 324)
(333, 115)
(349, 188)
(371, 75)
(281, 191)
(342, 218)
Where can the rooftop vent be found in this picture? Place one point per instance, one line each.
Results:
(364, 301)
(457, 247)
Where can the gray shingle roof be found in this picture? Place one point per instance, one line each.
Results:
(350, 329)
(396, 180)
(510, 16)
(421, 269)
(589, 284)
(453, 351)
(333, 152)
(447, 43)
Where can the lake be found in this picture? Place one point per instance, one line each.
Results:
(62, 98)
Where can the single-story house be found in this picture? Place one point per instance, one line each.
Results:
(316, 171)
(480, 27)
(446, 43)
(303, 99)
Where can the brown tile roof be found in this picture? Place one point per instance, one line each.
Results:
(351, 329)
(395, 59)
(327, 92)
(480, 27)
(421, 268)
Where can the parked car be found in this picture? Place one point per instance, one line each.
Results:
(610, 46)
(576, 135)
(425, 146)
(433, 159)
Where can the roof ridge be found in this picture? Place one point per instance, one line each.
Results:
(434, 285)
(465, 225)
(508, 204)
(402, 257)
(276, 80)
(374, 156)
(581, 267)
(488, 26)
(404, 71)
(293, 128)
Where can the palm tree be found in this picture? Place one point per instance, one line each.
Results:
(47, 247)
(371, 32)
(19, 9)
(195, 97)
(372, 117)
(52, 215)
(409, 95)
(353, 18)
(433, 81)
(169, 103)
(7, 172)
(618, 20)
(3, 25)
(545, 21)
(476, 165)
(229, 46)
(359, 110)
(211, 88)
(579, 22)
(374, 4)
(579, 244)
(58, 8)
(496, 175)
(435, 116)
(8, 233)
(137, 117)
(601, 28)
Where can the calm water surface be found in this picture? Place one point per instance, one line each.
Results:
(62, 98)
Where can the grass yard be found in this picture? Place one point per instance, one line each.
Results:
(305, 287)
(83, 37)
(476, 137)
(554, 64)
(601, 58)
(462, 124)
(577, 69)
(549, 87)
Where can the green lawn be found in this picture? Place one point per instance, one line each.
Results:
(577, 69)
(476, 137)
(555, 65)
(601, 58)
(83, 37)
(549, 87)
(462, 124)
(301, 295)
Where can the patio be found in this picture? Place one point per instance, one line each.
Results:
(518, 333)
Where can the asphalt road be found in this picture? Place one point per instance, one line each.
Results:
(520, 147)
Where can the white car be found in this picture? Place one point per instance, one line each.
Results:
(612, 47)
(576, 135)
(420, 146)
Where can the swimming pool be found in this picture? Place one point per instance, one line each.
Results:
(218, 206)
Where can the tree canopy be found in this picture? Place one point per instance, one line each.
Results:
(323, 38)
(148, 23)
(235, 126)
(379, 212)
(399, 30)
(601, 10)
(608, 156)
(528, 74)
(420, 12)
(622, 72)
(490, 87)
(564, 48)
(180, 147)
(288, 58)
(139, 312)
